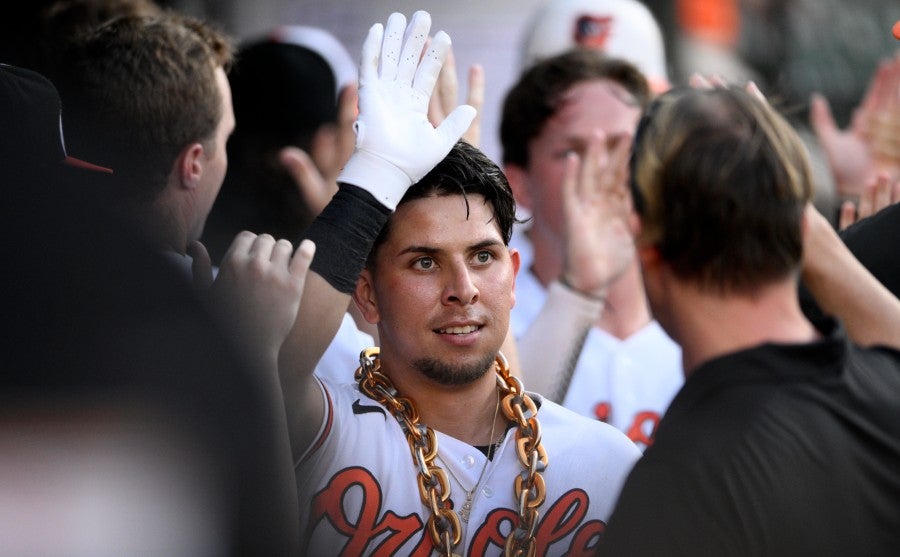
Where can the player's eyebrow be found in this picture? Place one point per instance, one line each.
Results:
(420, 249)
(430, 250)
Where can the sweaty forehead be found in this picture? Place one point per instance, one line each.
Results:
(439, 220)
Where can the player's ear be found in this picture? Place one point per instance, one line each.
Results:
(365, 299)
(516, 260)
(189, 165)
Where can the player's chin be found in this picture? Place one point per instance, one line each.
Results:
(455, 371)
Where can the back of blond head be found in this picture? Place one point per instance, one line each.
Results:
(721, 181)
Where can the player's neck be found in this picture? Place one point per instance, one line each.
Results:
(167, 220)
(463, 412)
(709, 326)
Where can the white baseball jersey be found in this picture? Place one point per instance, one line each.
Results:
(626, 383)
(359, 493)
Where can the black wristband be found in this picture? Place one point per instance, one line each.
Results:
(344, 233)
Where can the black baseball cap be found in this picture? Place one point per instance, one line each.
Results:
(31, 130)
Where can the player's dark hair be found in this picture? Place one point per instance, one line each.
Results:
(464, 171)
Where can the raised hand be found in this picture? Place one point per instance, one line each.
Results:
(872, 142)
(598, 211)
(258, 288)
(314, 188)
(396, 145)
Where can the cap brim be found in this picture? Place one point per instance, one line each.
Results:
(78, 163)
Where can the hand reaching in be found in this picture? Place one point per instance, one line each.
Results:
(315, 190)
(258, 288)
(872, 142)
(598, 210)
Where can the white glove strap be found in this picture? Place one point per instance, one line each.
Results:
(386, 182)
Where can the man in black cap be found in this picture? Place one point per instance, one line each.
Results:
(117, 383)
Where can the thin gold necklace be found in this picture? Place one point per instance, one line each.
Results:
(434, 487)
(466, 507)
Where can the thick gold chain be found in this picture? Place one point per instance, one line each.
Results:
(434, 487)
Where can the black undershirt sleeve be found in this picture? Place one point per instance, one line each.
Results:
(344, 233)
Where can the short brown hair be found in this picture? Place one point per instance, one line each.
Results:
(720, 181)
(534, 99)
(139, 89)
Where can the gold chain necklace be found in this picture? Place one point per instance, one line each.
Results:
(466, 507)
(434, 487)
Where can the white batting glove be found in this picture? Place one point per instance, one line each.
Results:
(396, 145)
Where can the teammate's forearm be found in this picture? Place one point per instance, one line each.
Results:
(844, 288)
(550, 348)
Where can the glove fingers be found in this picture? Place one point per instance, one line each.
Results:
(414, 42)
(371, 53)
(390, 48)
(456, 124)
(430, 66)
